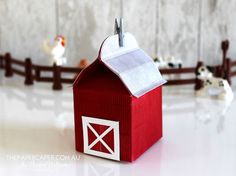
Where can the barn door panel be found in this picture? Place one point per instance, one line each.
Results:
(101, 137)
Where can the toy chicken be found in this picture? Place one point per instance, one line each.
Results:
(57, 50)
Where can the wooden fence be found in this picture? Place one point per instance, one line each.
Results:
(32, 72)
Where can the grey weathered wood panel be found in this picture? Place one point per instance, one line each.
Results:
(178, 29)
(24, 27)
(218, 23)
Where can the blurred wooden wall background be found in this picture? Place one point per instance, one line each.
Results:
(186, 29)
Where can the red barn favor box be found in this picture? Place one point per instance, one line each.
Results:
(118, 102)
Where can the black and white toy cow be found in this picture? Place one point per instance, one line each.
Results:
(213, 85)
(167, 62)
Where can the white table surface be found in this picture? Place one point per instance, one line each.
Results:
(37, 136)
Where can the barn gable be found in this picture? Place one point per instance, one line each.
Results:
(132, 65)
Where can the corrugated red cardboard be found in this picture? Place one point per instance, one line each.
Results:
(99, 93)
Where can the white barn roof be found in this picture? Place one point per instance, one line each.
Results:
(133, 66)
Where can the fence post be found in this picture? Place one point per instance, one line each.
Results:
(1, 62)
(198, 82)
(56, 77)
(224, 47)
(28, 72)
(228, 70)
(8, 65)
(218, 72)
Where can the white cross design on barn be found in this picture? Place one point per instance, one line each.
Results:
(112, 125)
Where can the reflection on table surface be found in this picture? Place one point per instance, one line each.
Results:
(37, 135)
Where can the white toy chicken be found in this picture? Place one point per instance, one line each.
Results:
(57, 50)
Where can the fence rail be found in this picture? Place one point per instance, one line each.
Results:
(18, 72)
(182, 81)
(178, 70)
(17, 62)
(233, 63)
